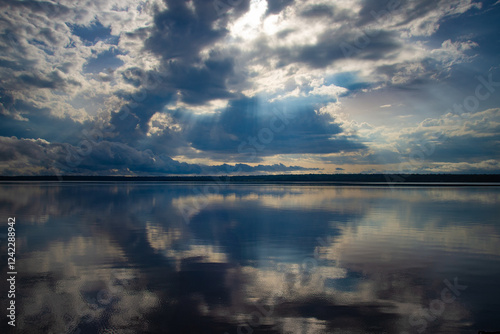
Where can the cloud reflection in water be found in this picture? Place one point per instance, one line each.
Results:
(301, 259)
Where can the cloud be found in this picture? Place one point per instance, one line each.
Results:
(53, 80)
(470, 137)
(276, 6)
(186, 74)
(39, 157)
(329, 48)
(246, 130)
(466, 143)
(417, 18)
(382, 52)
(204, 83)
(318, 10)
(354, 281)
(181, 78)
(180, 32)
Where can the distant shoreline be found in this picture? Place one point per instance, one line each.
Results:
(313, 179)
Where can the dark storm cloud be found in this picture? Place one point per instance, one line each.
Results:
(202, 84)
(130, 123)
(319, 10)
(177, 81)
(180, 33)
(135, 76)
(52, 81)
(333, 46)
(327, 11)
(178, 36)
(247, 126)
(276, 6)
(28, 156)
(31, 157)
(106, 156)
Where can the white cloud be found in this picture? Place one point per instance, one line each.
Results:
(42, 48)
(330, 90)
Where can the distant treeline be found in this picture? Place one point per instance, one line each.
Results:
(330, 178)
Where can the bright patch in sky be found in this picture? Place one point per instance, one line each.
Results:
(248, 26)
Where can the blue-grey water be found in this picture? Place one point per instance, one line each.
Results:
(217, 258)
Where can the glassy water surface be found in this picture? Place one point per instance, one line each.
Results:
(195, 258)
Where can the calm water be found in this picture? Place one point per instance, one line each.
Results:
(166, 258)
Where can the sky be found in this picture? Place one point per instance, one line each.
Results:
(201, 87)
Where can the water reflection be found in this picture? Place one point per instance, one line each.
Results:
(126, 258)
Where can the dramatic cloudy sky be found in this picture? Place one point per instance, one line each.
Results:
(237, 86)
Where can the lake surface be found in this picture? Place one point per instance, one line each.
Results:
(208, 258)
